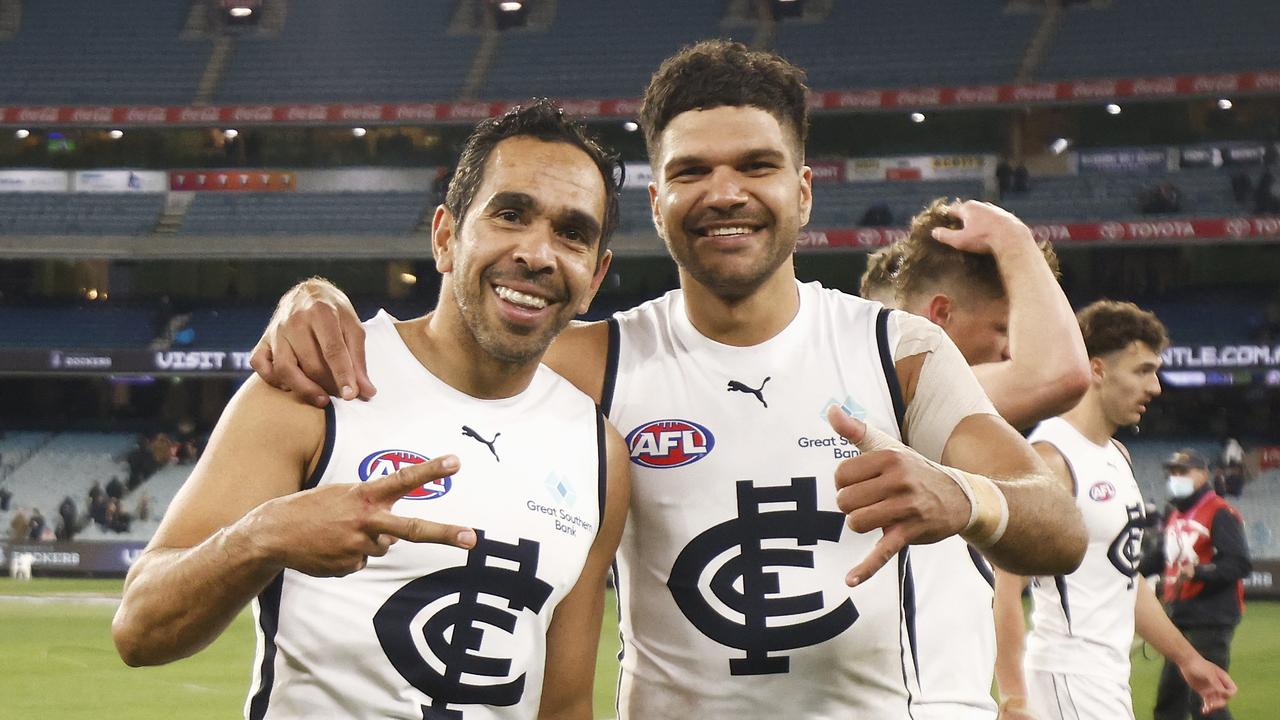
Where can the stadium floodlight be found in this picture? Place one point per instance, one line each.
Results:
(631, 126)
(359, 132)
(231, 133)
(510, 6)
(408, 278)
(1060, 145)
(240, 12)
(1113, 109)
(115, 134)
(917, 117)
(22, 134)
(1224, 104)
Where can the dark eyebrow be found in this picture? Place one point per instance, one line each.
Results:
(512, 200)
(582, 222)
(577, 219)
(749, 156)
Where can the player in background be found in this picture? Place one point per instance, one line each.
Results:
(976, 271)
(724, 388)
(301, 508)
(1077, 654)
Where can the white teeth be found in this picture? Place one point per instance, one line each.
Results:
(516, 297)
(720, 232)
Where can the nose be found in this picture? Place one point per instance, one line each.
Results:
(1004, 351)
(1155, 389)
(725, 189)
(535, 250)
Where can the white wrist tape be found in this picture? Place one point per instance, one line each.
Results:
(988, 508)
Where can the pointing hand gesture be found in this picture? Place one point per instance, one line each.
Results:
(333, 530)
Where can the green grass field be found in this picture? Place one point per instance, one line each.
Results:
(57, 661)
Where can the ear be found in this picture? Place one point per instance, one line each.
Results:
(442, 234)
(1097, 370)
(601, 273)
(653, 209)
(806, 194)
(939, 310)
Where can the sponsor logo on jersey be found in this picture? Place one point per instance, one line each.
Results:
(1102, 491)
(386, 462)
(669, 443)
(849, 406)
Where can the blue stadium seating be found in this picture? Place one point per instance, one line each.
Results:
(82, 327)
(79, 213)
(839, 205)
(1092, 198)
(597, 48)
(909, 43)
(342, 51)
(121, 52)
(387, 213)
(1156, 37)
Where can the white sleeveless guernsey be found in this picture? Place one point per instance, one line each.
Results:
(955, 631)
(1083, 622)
(731, 570)
(431, 631)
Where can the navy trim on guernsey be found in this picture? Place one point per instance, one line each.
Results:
(980, 563)
(1060, 582)
(330, 434)
(603, 480)
(269, 621)
(622, 644)
(890, 371)
(1075, 484)
(909, 605)
(610, 366)
(907, 617)
(1124, 454)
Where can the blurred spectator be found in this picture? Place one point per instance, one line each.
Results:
(35, 530)
(1021, 179)
(143, 508)
(117, 519)
(1232, 452)
(163, 451)
(1241, 187)
(1004, 177)
(98, 510)
(95, 492)
(5, 497)
(19, 526)
(115, 488)
(1163, 198)
(878, 215)
(1264, 198)
(67, 512)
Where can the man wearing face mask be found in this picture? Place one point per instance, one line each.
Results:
(1205, 560)
(1077, 654)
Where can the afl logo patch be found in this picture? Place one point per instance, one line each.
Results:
(669, 443)
(1102, 491)
(386, 462)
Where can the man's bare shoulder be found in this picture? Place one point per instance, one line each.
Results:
(580, 355)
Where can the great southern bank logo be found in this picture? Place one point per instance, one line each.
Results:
(669, 443)
(386, 462)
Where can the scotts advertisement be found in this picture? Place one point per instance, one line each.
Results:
(920, 167)
(126, 362)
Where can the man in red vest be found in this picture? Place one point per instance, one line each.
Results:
(1205, 562)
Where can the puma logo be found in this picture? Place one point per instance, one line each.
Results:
(735, 386)
(487, 443)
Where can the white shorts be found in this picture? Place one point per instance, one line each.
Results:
(1060, 696)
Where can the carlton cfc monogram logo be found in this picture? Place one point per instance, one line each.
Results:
(1125, 551)
(753, 633)
(669, 443)
(453, 633)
